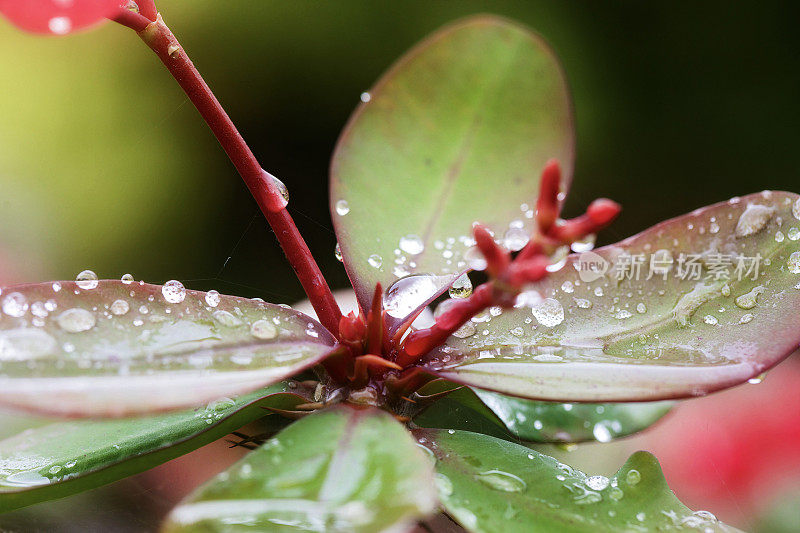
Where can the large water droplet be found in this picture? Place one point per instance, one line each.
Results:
(461, 288)
(597, 482)
(375, 261)
(549, 312)
(127, 279)
(15, 304)
(794, 263)
(515, 239)
(119, 307)
(173, 291)
(412, 244)
(86, 280)
(263, 329)
(342, 208)
(212, 298)
(502, 481)
(753, 220)
(407, 294)
(226, 319)
(76, 320)
(284, 192)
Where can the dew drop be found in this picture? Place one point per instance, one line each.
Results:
(623, 314)
(119, 307)
(633, 477)
(407, 294)
(127, 279)
(284, 192)
(461, 287)
(212, 298)
(76, 320)
(15, 304)
(641, 308)
(711, 320)
(597, 482)
(226, 319)
(568, 287)
(793, 234)
(342, 208)
(375, 261)
(713, 227)
(779, 236)
(794, 263)
(585, 244)
(337, 252)
(56, 286)
(746, 318)
(758, 379)
(502, 481)
(753, 220)
(86, 280)
(365, 97)
(263, 329)
(475, 259)
(549, 312)
(583, 303)
(412, 244)
(173, 291)
(515, 239)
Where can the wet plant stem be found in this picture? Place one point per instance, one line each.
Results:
(266, 192)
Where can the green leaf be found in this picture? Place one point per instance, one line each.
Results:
(114, 349)
(343, 469)
(458, 130)
(527, 420)
(650, 339)
(534, 421)
(492, 485)
(60, 459)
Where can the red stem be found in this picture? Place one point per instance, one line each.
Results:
(266, 192)
(147, 8)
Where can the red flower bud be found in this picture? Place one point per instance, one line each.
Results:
(497, 258)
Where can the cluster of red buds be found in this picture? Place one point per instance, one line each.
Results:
(509, 275)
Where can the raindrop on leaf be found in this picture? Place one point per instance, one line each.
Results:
(86, 280)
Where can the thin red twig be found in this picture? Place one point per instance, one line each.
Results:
(267, 193)
(128, 18)
(147, 8)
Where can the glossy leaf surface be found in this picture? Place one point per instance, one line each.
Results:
(64, 458)
(342, 470)
(528, 420)
(457, 131)
(116, 349)
(490, 485)
(668, 336)
(58, 17)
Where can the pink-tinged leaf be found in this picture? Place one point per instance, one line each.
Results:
(458, 130)
(58, 17)
(594, 337)
(108, 348)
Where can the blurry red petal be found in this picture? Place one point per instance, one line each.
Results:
(57, 17)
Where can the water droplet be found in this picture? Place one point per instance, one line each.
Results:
(502, 481)
(375, 261)
(601, 433)
(796, 209)
(713, 227)
(127, 279)
(623, 314)
(515, 239)
(407, 294)
(640, 517)
(365, 97)
(753, 220)
(585, 244)
(779, 236)
(750, 299)
(173, 291)
(412, 244)
(517, 331)
(56, 286)
(641, 308)
(583, 303)
(794, 263)
(568, 287)
(263, 329)
(711, 320)
(475, 259)
(284, 192)
(226, 319)
(597, 482)
(59, 25)
(793, 234)
(15, 304)
(758, 379)
(746, 318)
(342, 208)
(76, 320)
(598, 291)
(467, 330)
(212, 298)
(633, 477)
(337, 252)
(119, 307)
(548, 312)
(461, 287)
(86, 280)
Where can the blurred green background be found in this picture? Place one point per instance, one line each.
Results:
(104, 164)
